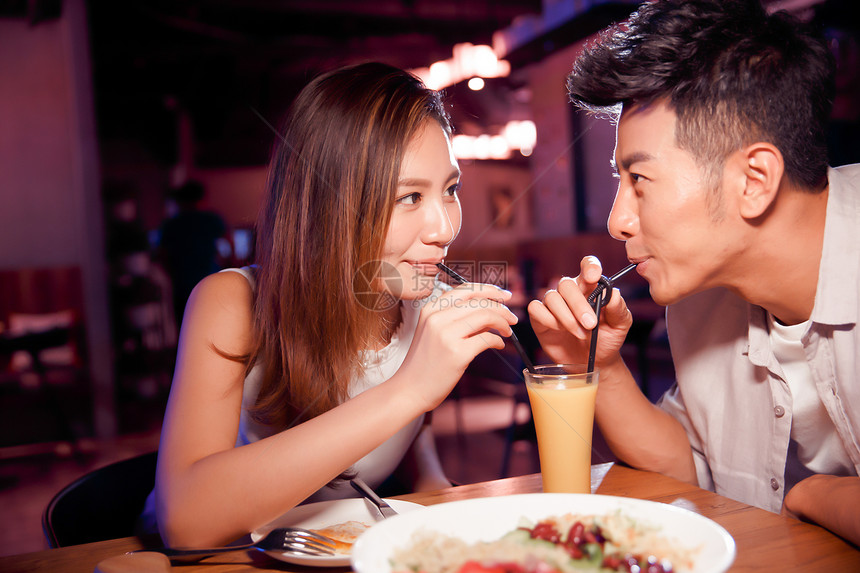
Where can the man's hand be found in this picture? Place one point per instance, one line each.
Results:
(830, 501)
(564, 319)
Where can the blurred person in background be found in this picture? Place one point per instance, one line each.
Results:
(188, 243)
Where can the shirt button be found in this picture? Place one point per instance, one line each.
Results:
(774, 484)
(779, 411)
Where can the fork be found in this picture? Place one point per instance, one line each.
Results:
(289, 539)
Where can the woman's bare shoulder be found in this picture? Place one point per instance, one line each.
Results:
(221, 306)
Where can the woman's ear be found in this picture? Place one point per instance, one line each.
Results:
(762, 168)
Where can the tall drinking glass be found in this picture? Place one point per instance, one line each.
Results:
(562, 398)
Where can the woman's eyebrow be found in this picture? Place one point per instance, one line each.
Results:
(419, 182)
(413, 182)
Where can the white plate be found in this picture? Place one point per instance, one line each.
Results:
(325, 514)
(487, 519)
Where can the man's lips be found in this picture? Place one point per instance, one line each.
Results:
(641, 263)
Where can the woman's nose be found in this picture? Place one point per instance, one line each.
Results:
(623, 218)
(439, 228)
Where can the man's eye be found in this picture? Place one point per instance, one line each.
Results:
(410, 199)
(635, 177)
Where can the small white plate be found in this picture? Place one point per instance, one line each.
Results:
(325, 514)
(487, 519)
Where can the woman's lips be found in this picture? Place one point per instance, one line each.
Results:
(426, 267)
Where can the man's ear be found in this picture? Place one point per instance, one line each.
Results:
(761, 167)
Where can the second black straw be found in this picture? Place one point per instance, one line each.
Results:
(522, 351)
(598, 298)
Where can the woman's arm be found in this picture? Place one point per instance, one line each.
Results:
(209, 492)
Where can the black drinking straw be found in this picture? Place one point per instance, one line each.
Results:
(522, 351)
(598, 299)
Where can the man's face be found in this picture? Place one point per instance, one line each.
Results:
(673, 225)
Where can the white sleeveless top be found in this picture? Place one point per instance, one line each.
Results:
(379, 365)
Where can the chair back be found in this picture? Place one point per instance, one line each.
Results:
(103, 504)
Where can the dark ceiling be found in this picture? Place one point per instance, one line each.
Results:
(234, 65)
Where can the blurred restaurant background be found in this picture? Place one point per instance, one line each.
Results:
(107, 108)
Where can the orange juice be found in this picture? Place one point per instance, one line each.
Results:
(563, 411)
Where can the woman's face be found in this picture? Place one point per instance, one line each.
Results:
(426, 214)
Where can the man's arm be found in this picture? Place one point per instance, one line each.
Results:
(639, 433)
(830, 501)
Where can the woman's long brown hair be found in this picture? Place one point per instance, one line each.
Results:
(331, 189)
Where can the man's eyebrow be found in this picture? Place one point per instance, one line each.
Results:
(629, 160)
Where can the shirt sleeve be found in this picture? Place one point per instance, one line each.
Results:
(672, 402)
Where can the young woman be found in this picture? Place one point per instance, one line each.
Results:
(321, 361)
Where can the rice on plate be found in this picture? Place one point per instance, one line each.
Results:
(564, 544)
(541, 527)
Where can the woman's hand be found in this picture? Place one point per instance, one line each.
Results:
(452, 330)
(564, 320)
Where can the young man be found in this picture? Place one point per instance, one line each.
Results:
(726, 202)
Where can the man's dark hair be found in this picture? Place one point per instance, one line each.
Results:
(732, 74)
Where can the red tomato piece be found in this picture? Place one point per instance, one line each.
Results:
(546, 531)
(477, 567)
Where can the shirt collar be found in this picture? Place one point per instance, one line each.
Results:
(836, 294)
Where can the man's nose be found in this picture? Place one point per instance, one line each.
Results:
(623, 218)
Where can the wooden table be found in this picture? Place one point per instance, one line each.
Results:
(765, 541)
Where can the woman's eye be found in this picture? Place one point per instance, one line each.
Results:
(410, 199)
(453, 190)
